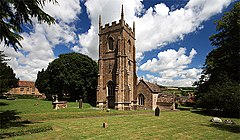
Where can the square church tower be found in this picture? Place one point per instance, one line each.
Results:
(117, 77)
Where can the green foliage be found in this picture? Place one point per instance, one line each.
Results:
(71, 75)
(226, 57)
(15, 13)
(42, 83)
(218, 87)
(7, 76)
(223, 95)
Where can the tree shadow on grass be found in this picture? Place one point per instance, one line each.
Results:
(3, 104)
(214, 113)
(235, 128)
(10, 118)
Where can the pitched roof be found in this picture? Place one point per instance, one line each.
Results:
(165, 98)
(26, 84)
(153, 87)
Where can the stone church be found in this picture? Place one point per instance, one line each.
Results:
(118, 86)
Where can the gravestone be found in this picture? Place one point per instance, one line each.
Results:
(80, 103)
(58, 104)
(157, 111)
(229, 122)
(105, 125)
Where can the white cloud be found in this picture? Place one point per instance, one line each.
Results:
(88, 40)
(169, 82)
(172, 67)
(188, 77)
(38, 44)
(169, 59)
(65, 11)
(204, 9)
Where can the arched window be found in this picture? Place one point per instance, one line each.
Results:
(110, 43)
(141, 99)
(110, 86)
(110, 94)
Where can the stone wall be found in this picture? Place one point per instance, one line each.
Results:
(142, 88)
(154, 101)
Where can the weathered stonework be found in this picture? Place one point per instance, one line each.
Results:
(117, 66)
(117, 79)
(143, 89)
(153, 96)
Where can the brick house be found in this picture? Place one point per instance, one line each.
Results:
(25, 87)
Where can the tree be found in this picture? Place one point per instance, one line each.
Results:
(71, 74)
(42, 83)
(218, 88)
(15, 13)
(7, 76)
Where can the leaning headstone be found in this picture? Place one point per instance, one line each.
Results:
(157, 111)
(216, 120)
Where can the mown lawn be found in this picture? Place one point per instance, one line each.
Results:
(74, 123)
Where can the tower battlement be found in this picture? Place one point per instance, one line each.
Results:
(116, 25)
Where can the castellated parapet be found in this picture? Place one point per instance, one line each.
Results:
(116, 26)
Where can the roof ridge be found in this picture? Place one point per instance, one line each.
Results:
(152, 86)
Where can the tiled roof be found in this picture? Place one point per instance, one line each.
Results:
(165, 98)
(152, 86)
(26, 84)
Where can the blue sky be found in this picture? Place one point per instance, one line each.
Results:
(171, 36)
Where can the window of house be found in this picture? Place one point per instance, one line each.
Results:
(33, 89)
(27, 89)
(110, 43)
(21, 89)
(140, 99)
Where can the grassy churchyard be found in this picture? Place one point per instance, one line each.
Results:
(37, 120)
